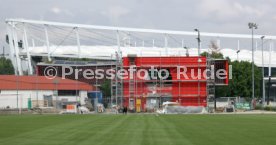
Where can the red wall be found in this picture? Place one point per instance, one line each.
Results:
(184, 91)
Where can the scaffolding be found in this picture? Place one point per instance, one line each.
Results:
(117, 83)
(211, 84)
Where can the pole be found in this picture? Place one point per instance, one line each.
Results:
(166, 44)
(253, 73)
(238, 51)
(198, 83)
(116, 80)
(36, 87)
(56, 95)
(17, 93)
(269, 64)
(118, 57)
(253, 26)
(263, 70)
(268, 91)
(78, 41)
(15, 43)
(28, 50)
(56, 81)
(96, 101)
(77, 86)
(47, 42)
(269, 74)
(3, 51)
(12, 48)
(111, 85)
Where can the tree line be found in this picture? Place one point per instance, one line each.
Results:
(6, 67)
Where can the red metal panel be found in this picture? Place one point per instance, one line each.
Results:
(156, 61)
(227, 71)
(183, 90)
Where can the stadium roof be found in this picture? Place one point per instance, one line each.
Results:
(108, 52)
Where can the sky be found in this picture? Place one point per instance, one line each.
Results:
(225, 16)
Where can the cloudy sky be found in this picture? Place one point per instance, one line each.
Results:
(229, 16)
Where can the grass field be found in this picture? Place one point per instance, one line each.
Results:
(138, 130)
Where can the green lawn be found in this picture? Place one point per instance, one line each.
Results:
(138, 130)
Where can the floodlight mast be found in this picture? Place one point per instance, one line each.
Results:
(263, 102)
(198, 40)
(253, 26)
(238, 50)
(198, 77)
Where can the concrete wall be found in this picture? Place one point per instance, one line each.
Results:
(11, 99)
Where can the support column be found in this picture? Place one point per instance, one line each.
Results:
(47, 43)
(166, 44)
(12, 49)
(78, 41)
(15, 42)
(269, 65)
(238, 51)
(26, 43)
(118, 42)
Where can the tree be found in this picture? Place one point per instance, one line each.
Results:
(241, 82)
(106, 90)
(215, 51)
(213, 55)
(6, 67)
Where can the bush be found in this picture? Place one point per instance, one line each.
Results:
(269, 108)
(259, 107)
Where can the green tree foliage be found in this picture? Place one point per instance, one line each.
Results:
(105, 88)
(6, 67)
(241, 82)
(215, 55)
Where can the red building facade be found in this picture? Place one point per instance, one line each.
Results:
(154, 87)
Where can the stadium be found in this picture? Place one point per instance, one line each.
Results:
(99, 82)
(37, 54)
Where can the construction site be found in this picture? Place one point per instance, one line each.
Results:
(137, 72)
(43, 45)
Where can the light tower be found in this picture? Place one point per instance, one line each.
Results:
(253, 26)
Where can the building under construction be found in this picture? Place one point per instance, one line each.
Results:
(148, 93)
(51, 42)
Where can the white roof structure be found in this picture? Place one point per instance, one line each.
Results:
(107, 52)
(44, 38)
